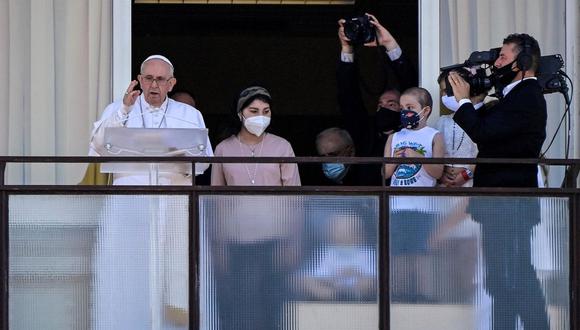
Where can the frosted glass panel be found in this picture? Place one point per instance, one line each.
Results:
(479, 263)
(44, 173)
(289, 262)
(98, 262)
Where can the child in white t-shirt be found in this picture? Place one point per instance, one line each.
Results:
(412, 218)
(415, 140)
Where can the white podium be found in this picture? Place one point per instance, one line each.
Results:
(167, 272)
(154, 142)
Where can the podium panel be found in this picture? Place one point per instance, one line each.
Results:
(154, 142)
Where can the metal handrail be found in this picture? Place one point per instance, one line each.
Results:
(301, 160)
(571, 182)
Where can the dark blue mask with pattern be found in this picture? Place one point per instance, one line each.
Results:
(410, 119)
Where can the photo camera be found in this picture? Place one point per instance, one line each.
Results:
(359, 30)
(550, 76)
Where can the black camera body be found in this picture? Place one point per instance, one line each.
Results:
(359, 30)
(483, 57)
(479, 82)
(549, 75)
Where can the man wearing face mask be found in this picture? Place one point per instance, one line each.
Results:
(337, 142)
(513, 128)
(370, 133)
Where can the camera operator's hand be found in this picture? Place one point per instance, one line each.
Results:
(384, 37)
(344, 41)
(459, 85)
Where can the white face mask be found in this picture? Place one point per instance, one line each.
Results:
(450, 102)
(257, 124)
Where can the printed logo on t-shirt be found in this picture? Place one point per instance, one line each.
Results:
(407, 174)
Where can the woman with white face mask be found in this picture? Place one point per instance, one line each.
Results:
(251, 233)
(250, 139)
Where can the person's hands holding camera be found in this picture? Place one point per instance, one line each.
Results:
(344, 41)
(384, 37)
(459, 85)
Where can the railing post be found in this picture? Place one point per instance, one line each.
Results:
(384, 264)
(384, 255)
(575, 261)
(4, 250)
(571, 176)
(2, 173)
(193, 173)
(194, 247)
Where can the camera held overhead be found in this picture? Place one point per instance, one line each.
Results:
(359, 30)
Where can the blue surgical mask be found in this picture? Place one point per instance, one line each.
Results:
(334, 171)
(410, 119)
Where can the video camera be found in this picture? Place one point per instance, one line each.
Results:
(359, 30)
(482, 80)
(479, 81)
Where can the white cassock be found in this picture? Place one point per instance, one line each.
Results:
(141, 256)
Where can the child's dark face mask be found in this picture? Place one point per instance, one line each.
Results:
(410, 119)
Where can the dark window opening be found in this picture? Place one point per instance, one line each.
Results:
(292, 50)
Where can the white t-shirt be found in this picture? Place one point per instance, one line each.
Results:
(413, 175)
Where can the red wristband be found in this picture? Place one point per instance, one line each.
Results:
(465, 175)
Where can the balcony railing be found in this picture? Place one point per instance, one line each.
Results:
(309, 257)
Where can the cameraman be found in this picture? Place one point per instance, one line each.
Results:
(513, 128)
(370, 133)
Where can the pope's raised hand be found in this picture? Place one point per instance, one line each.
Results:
(131, 94)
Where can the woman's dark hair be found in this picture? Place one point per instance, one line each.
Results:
(463, 72)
